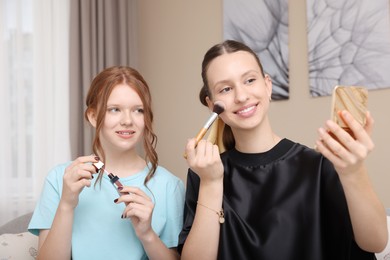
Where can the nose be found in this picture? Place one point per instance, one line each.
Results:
(126, 119)
(240, 94)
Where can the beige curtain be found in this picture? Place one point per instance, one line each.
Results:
(102, 34)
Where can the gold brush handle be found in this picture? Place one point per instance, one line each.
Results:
(204, 129)
(198, 137)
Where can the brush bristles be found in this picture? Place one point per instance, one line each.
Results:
(219, 107)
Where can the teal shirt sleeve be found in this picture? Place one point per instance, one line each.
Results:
(174, 213)
(47, 204)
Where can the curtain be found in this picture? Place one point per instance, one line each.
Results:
(34, 62)
(102, 34)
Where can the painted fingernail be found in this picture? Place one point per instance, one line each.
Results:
(91, 176)
(120, 188)
(97, 158)
(122, 216)
(115, 200)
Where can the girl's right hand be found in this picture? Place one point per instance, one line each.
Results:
(77, 175)
(204, 159)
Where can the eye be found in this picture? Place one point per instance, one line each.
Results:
(139, 110)
(250, 81)
(224, 90)
(113, 109)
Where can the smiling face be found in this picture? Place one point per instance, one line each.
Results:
(124, 120)
(237, 80)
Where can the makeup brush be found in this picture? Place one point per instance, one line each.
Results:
(218, 108)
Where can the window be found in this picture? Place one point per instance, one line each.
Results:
(34, 73)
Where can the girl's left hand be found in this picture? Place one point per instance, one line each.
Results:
(139, 208)
(345, 152)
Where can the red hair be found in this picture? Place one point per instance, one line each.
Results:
(96, 101)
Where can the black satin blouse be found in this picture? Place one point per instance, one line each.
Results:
(287, 203)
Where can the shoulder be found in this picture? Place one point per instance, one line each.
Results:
(304, 151)
(163, 174)
(165, 182)
(58, 170)
(295, 146)
(315, 162)
(284, 151)
(310, 156)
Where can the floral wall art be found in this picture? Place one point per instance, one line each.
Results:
(263, 26)
(348, 44)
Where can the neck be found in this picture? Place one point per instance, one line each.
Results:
(257, 140)
(124, 164)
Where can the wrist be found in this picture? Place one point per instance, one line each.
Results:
(211, 194)
(212, 182)
(148, 237)
(357, 176)
(211, 188)
(357, 181)
(65, 207)
(220, 213)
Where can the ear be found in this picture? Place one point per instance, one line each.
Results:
(268, 84)
(210, 103)
(92, 117)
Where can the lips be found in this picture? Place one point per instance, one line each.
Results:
(126, 132)
(246, 109)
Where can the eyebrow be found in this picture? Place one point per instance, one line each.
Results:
(119, 104)
(242, 76)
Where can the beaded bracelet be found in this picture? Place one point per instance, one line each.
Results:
(220, 213)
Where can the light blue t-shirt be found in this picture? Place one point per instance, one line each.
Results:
(99, 232)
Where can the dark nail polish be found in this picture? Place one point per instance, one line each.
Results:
(120, 188)
(91, 176)
(121, 216)
(115, 200)
(97, 158)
